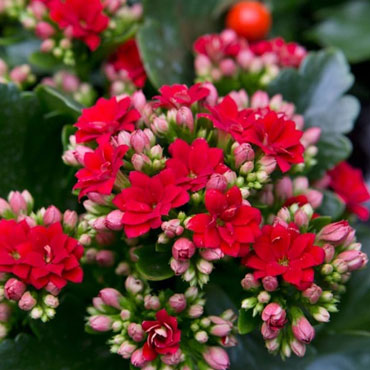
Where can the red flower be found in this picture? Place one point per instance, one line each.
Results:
(101, 168)
(40, 254)
(84, 21)
(349, 184)
(284, 251)
(163, 336)
(147, 200)
(127, 58)
(216, 47)
(194, 164)
(230, 225)
(277, 136)
(175, 96)
(301, 200)
(107, 116)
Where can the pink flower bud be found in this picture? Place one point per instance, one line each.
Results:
(284, 188)
(133, 285)
(183, 249)
(177, 302)
(160, 125)
(355, 259)
(14, 289)
(137, 358)
(311, 136)
(172, 228)
(5, 312)
(260, 99)
(340, 265)
(139, 160)
(221, 327)
(274, 315)
(138, 100)
(70, 83)
(268, 332)
(313, 293)
(52, 289)
(268, 164)
(126, 349)
(111, 297)
(245, 58)
(125, 315)
(272, 345)
(173, 359)
(205, 267)
(151, 302)
(98, 303)
(211, 99)
(51, 301)
(139, 141)
(314, 197)
(321, 314)
(3, 66)
(47, 46)
(218, 182)
(105, 238)
(243, 153)
(4, 207)
(201, 336)
(270, 283)
(44, 30)
(301, 218)
(113, 220)
(202, 65)
(105, 258)
(136, 332)
(240, 98)
(211, 254)
(300, 184)
(329, 252)
(249, 282)
(100, 323)
(179, 267)
(184, 117)
(195, 311)
(335, 233)
(70, 219)
(227, 67)
(20, 74)
(17, 203)
(217, 358)
(27, 302)
(303, 330)
(51, 216)
(298, 347)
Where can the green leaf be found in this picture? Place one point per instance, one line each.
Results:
(319, 222)
(45, 61)
(317, 90)
(331, 205)
(153, 265)
(165, 39)
(333, 148)
(246, 321)
(346, 27)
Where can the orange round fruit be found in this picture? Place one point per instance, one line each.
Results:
(250, 19)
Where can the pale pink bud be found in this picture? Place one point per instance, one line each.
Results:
(272, 345)
(246, 167)
(27, 302)
(47, 46)
(17, 203)
(160, 125)
(313, 293)
(240, 98)
(173, 359)
(329, 252)
(217, 358)
(105, 238)
(230, 177)
(137, 358)
(201, 336)
(249, 282)
(123, 138)
(244, 58)
(300, 184)
(3, 67)
(260, 99)
(111, 297)
(274, 315)
(177, 302)
(98, 303)
(172, 228)
(138, 100)
(270, 283)
(139, 161)
(125, 315)
(340, 265)
(184, 117)
(179, 267)
(139, 141)
(211, 99)
(70, 219)
(300, 218)
(44, 30)
(69, 157)
(321, 314)
(70, 83)
(221, 327)
(183, 249)
(14, 289)
(133, 285)
(51, 216)
(335, 233)
(314, 197)
(136, 332)
(268, 164)
(100, 323)
(303, 330)
(99, 223)
(195, 311)
(211, 254)
(268, 332)
(20, 74)
(151, 302)
(52, 289)
(205, 267)
(202, 65)
(355, 259)
(298, 347)
(284, 188)
(38, 8)
(218, 182)
(156, 151)
(51, 301)
(114, 220)
(243, 153)
(105, 258)
(299, 121)
(5, 312)
(227, 67)
(126, 349)
(311, 136)
(4, 207)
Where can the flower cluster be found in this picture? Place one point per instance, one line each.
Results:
(166, 329)
(20, 75)
(226, 56)
(37, 255)
(59, 22)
